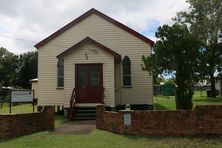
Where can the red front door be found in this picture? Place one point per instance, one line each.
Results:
(89, 83)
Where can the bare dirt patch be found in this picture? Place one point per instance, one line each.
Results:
(76, 127)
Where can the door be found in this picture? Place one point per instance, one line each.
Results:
(89, 83)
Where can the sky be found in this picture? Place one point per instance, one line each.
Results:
(26, 22)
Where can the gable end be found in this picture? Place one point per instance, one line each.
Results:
(85, 15)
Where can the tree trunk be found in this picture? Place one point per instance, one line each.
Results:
(212, 85)
(183, 99)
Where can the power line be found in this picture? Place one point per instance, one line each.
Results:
(25, 40)
(16, 38)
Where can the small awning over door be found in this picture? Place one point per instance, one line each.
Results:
(89, 40)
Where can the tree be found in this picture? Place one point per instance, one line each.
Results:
(27, 68)
(170, 81)
(205, 21)
(17, 70)
(8, 67)
(176, 53)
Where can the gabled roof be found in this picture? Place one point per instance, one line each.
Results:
(85, 15)
(89, 40)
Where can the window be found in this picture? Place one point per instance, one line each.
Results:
(94, 74)
(60, 73)
(126, 72)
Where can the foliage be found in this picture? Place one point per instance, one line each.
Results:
(8, 67)
(170, 81)
(27, 68)
(205, 21)
(176, 53)
(17, 70)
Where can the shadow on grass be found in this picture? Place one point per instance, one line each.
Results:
(209, 139)
(60, 119)
(208, 100)
(160, 107)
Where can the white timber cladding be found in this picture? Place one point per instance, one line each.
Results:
(112, 37)
(35, 88)
(97, 55)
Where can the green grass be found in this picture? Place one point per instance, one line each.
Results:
(59, 119)
(25, 108)
(168, 102)
(104, 139)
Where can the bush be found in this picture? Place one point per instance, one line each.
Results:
(209, 93)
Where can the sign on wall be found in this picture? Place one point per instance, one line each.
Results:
(127, 119)
(21, 96)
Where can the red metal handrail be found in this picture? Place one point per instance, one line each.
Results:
(72, 104)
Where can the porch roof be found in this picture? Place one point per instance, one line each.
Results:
(90, 40)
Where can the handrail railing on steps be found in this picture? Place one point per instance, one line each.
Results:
(72, 104)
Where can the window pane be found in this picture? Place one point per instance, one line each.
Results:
(60, 82)
(60, 62)
(60, 71)
(94, 75)
(126, 80)
(126, 71)
(83, 80)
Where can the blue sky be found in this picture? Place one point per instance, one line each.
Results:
(150, 31)
(37, 19)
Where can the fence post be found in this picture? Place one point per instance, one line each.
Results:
(100, 109)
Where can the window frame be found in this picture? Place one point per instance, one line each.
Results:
(126, 62)
(60, 64)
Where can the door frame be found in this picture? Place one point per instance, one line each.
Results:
(101, 76)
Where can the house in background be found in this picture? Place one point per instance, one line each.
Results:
(34, 83)
(218, 86)
(99, 60)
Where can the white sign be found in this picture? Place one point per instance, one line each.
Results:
(21, 96)
(127, 119)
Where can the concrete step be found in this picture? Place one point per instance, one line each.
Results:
(85, 113)
(85, 118)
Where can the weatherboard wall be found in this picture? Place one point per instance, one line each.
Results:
(109, 35)
(35, 88)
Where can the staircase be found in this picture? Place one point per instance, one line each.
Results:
(84, 113)
(80, 113)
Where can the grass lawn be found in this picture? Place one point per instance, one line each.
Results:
(104, 139)
(168, 102)
(25, 108)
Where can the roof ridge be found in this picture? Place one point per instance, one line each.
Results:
(85, 15)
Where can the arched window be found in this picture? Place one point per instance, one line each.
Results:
(126, 71)
(60, 73)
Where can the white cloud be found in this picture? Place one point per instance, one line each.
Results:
(35, 20)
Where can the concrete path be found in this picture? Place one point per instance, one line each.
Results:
(76, 127)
